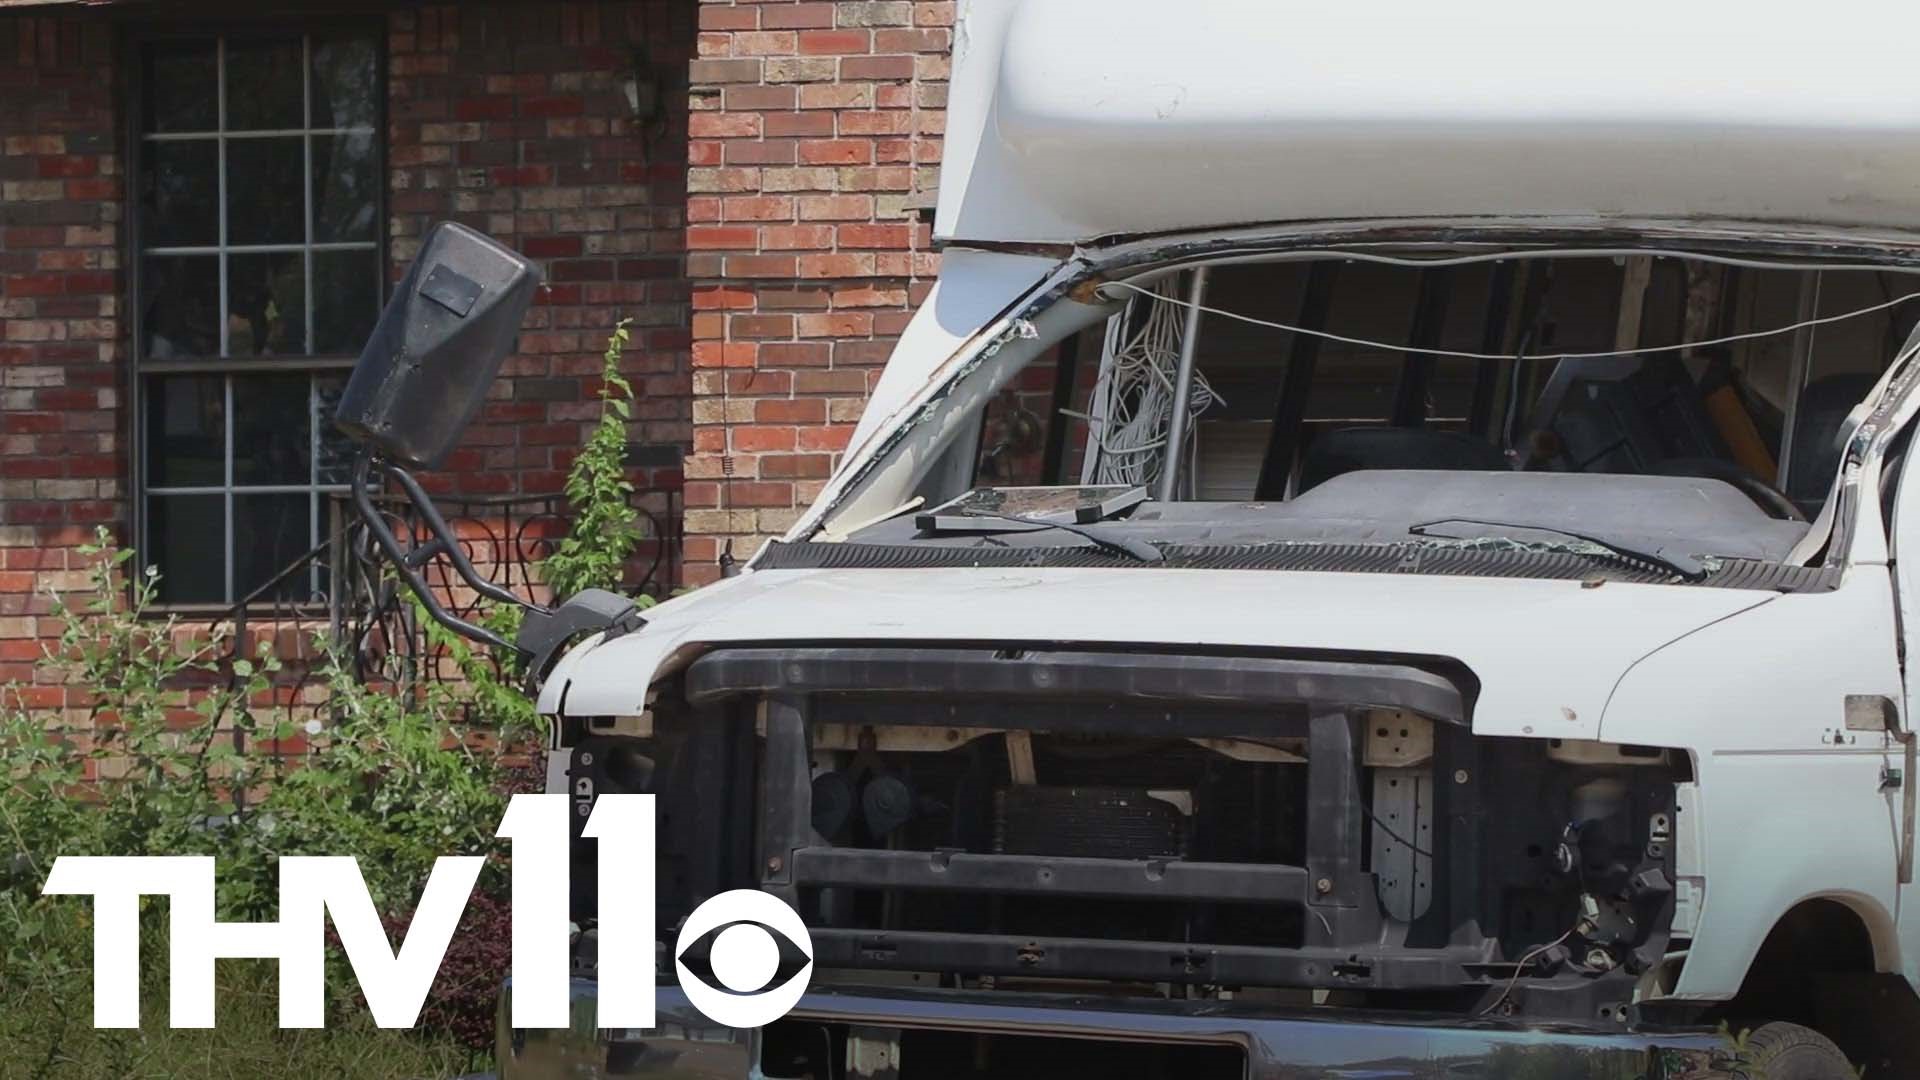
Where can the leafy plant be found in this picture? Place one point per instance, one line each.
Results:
(493, 694)
(153, 768)
(175, 760)
(174, 757)
(605, 528)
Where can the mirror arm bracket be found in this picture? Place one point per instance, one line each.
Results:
(407, 561)
(542, 630)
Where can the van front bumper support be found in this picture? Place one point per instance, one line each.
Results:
(1294, 1043)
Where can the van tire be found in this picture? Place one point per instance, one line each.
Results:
(1791, 1052)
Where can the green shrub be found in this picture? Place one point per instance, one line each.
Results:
(175, 760)
(603, 528)
(385, 777)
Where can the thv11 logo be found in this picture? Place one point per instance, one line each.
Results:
(744, 956)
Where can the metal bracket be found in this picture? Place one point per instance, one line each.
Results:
(542, 630)
(408, 561)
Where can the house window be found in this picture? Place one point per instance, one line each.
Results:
(258, 275)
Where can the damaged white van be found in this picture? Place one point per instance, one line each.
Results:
(1379, 556)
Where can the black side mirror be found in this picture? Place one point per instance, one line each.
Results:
(438, 346)
(422, 376)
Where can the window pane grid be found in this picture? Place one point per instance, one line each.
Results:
(259, 503)
(306, 207)
(226, 306)
(265, 249)
(249, 489)
(228, 497)
(271, 133)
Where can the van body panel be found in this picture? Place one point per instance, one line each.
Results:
(1078, 119)
(1546, 653)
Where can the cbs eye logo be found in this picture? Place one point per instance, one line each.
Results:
(744, 958)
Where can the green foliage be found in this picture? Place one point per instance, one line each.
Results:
(163, 768)
(604, 527)
(176, 757)
(496, 700)
(47, 1033)
(176, 761)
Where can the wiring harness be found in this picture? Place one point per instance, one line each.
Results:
(1133, 396)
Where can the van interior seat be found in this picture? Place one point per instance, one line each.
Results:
(1822, 412)
(1353, 449)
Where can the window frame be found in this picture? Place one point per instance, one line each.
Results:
(139, 369)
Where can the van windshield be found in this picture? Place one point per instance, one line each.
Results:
(1393, 415)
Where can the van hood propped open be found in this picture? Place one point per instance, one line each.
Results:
(1547, 654)
(1072, 120)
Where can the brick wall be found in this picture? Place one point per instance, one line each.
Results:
(515, 119)
(814, 127)
(62, 467)
(758, 230)
(512, 117)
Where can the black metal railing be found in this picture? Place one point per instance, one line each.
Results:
(343, 593)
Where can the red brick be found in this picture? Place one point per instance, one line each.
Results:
(483, 108)
(796, 354)
(758, 151)
(552, 106)
(20, 421)
(97, 282)
(836, 96)
(834, 42)
(795, 16)
(876, 68)
(721, 236)
(760, 439)
(836, 324)
(790, 411)
(799, 123)
(868, 296)
(875, 236)
(874, 122)
(55, 398)
(836, 207)
(722, 125)
(750, 98)
(521, 176)
(836, 151)
(763, 43)
(35, 285)
(838, 383)
(796, 237)
(717, 297)
(758, 493)
(797, 466)
(65, 166)
(861, 353)
(723, 354)
(550, 247)
(832, 436)
(704, 72)
(718, 17)
(760, 383)
(39, 697)
(930, 40)
(831, 266)
(753, 266)
(760, 326)
(757, 208)
(104, 189)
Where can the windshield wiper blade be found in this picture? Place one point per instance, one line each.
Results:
(1118, 545)
(1685, 566)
